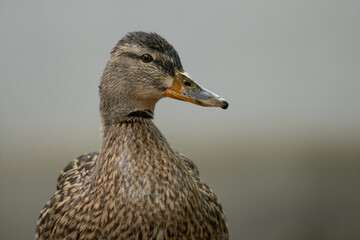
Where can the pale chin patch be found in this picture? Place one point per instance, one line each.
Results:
(147, 98)
(168, 81)
(149, 93)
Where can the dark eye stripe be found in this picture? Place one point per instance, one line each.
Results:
(165, 65)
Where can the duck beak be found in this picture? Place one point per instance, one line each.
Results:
(185, 89)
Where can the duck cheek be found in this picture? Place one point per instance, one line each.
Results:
(149, 93)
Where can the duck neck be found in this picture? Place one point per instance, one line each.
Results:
(134, 145)
(136, 164)
(131, 118)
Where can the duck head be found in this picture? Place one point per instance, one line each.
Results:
(144, 68)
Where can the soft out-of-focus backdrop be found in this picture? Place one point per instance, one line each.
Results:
(284, 158)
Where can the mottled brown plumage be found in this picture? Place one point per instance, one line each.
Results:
(137, 186)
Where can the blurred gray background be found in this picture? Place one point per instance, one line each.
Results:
(284, 159)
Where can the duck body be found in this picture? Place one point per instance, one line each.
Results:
(116, 195)
(136, 187)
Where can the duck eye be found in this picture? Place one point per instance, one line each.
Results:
(146, 58)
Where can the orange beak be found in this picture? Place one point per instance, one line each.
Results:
(185, 89)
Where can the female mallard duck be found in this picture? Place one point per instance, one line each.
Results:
(137, 187)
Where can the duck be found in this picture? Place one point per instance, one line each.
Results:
(137, 187)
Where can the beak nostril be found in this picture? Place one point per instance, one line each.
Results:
(187, 83)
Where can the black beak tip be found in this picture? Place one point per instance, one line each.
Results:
(225, 105)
